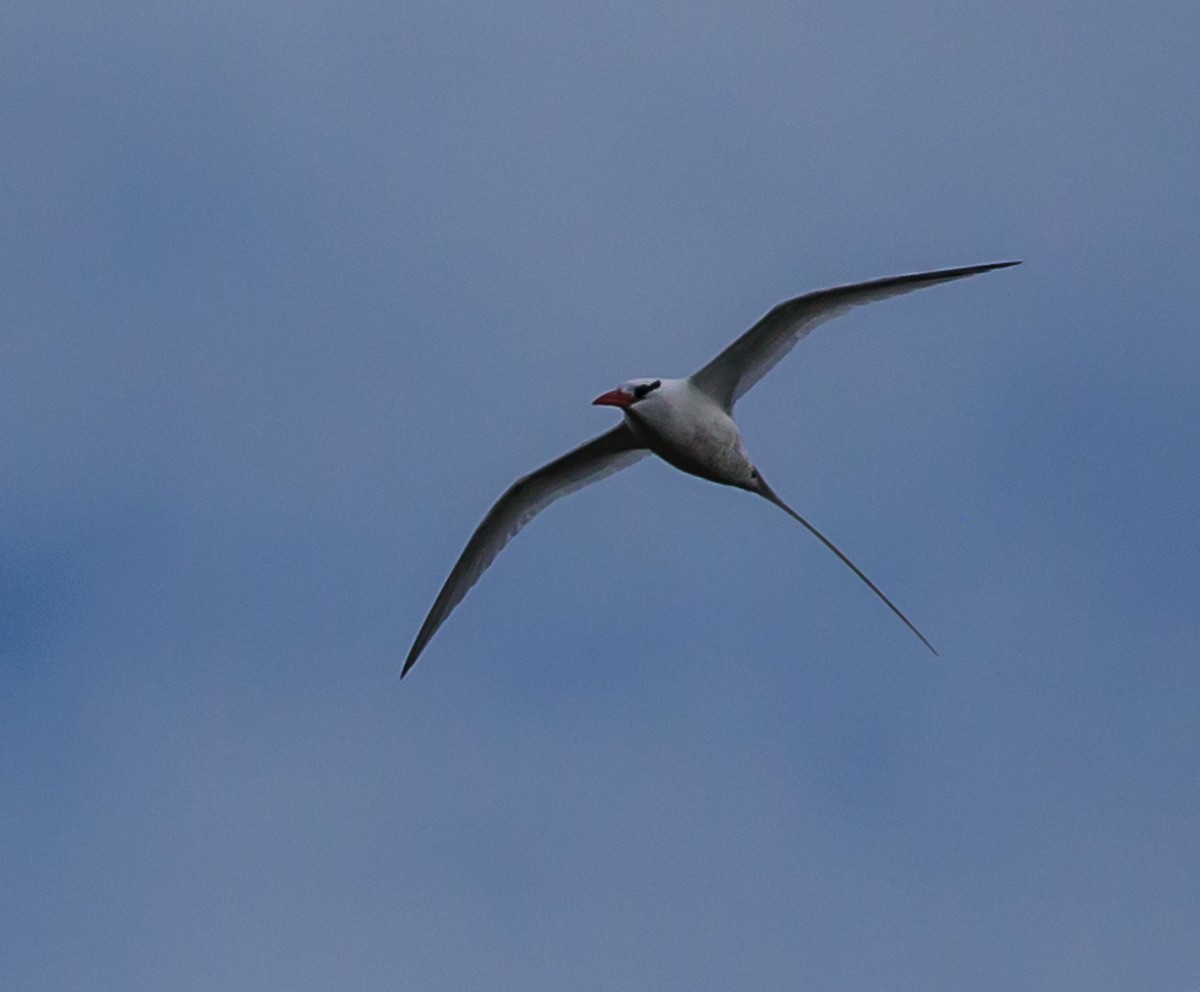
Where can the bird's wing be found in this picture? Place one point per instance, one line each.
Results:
(524, 500)
(731, 374)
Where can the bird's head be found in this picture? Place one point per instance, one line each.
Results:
(628, 393)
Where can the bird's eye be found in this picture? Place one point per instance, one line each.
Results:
(644, 390)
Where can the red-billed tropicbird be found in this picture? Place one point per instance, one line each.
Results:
(686, 422)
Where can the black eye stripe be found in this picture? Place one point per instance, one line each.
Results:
(642, 391)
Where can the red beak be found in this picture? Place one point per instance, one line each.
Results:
(615, 397)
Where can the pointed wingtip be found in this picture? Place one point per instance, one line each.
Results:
(974, 270)
(409, 662)
(967, 270)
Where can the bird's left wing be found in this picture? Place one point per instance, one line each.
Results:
(728, 376)
(524, 500)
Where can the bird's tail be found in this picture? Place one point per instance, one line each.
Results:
(767, 492)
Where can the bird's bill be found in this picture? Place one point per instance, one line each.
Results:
(614, 397)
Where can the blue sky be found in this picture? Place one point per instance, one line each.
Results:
(291, 293)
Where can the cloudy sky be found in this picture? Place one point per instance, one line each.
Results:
(292, 292)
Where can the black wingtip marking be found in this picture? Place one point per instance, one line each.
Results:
(418, 646)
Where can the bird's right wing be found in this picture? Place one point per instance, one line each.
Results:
(524, 500)
(728, 376)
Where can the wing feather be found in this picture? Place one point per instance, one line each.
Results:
(524, 500)
(731, 374)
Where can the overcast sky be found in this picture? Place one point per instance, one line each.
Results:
(291, 292)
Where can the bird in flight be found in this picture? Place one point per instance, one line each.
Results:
(687, 423)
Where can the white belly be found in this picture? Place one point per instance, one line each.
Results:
(685, 428)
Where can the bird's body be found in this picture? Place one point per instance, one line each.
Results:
(684, 426)
(686, 422)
